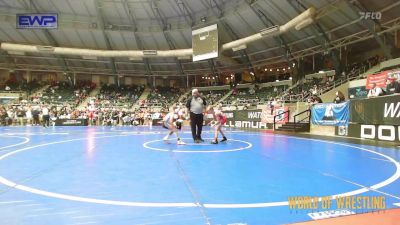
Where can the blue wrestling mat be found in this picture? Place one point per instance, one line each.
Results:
(128, 175)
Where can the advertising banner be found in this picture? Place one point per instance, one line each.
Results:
(268, 115)
(383, 110)
(373, 132)
(245, 119)
(330, 114)
(71, 122)
(358, 92)
(379, 79)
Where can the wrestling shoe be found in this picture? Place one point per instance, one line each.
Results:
(214, 142)
(224, 139)
(180, 142)
(165, 139)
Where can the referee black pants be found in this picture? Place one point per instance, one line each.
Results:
(196, 123)
(46, 120)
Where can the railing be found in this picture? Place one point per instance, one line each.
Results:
(308, 117)
(282, 113)
(12, 92)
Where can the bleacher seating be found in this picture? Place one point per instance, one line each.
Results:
(251, 97)
(112, 96)
(61, 93)
(114, 103)
(163, 97)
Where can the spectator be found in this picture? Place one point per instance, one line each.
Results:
(20, 114)
(35, 115)
(252, 91)
(315, 99)
(28, 115)
(314, 90)
(45, 116)
(339, 97)
(393, 87)
(375, 91)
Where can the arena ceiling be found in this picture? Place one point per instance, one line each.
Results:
(167, 24)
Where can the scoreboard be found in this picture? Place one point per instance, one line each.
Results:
(205, 43)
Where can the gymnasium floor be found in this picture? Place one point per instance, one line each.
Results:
(127, 175)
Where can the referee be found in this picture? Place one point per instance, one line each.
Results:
(196, 105)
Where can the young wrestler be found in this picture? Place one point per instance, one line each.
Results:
(172, 122)
(218, 122)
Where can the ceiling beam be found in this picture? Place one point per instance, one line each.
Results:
(298, 6)
(181, 4)
(165, 27)
(185, 12)
(233, 35)
(101, 20)
(371, 24)
(48, 35)
(261, 15)
(139, 42)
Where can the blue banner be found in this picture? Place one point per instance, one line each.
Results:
(37, 21)
(331, 114)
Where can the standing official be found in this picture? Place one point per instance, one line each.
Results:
(196, 106)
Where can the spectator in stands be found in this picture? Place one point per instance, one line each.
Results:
(35, 115)
(28, 115)
(375, 91)
(315, 100)
(21, 115)
(339, 98)
(314, 90)
(252, 91)
(393, 87)
(271, 104)
(45, 116)
(3, 116)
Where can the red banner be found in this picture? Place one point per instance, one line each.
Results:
(379, 79)
(267, 115)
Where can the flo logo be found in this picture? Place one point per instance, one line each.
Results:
(370, 15)
(360, 92)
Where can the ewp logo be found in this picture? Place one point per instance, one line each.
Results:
(37, 21)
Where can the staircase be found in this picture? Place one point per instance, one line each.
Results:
(143, 96)
(84, 103)
(38, 91)
(225, 97)
(294, 127)
(301, 122)
(184, 95)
